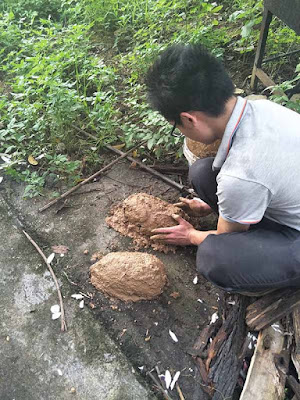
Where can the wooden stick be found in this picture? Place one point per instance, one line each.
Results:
(90, 178)
(151, 171)
(62, 317)
(140, 164)
(179, 392)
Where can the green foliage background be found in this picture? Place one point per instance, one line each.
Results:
(66, 63)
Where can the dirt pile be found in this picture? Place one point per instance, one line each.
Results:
(139, 214)
(129, 276)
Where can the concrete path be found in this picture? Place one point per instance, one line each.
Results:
(37, 361)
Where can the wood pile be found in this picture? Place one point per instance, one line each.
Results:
(252, 351)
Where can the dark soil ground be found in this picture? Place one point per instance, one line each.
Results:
(140, 329)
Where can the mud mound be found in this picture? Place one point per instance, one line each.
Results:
(139, 214)
(129, 276)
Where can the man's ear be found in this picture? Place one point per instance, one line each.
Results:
(188, 119)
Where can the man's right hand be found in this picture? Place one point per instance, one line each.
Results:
(194, 206)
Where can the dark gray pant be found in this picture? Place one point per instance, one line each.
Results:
(266, 256)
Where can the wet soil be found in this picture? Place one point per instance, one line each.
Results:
(129, 276)
(139, 214)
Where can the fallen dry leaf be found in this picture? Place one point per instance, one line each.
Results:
(175, 295)
(147, 338)
(96, 257)
(175, 379)
(32, 160)
(119, 146)
(77, 296)
(168, 378)
(60, 249)
(133, 165)
(50, 258)
(173, 336)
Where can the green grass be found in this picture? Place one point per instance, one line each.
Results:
(82, 62)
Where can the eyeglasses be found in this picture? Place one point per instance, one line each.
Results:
(174, 133)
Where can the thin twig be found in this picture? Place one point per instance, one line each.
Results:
(157, 383)
(90, 178)
(62, 317)
(143, 166)
(153, 172)
(69, 280)
(181, 396)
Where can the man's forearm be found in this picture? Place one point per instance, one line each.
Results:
(197, 237)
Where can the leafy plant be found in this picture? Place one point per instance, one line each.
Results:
(279, 92)
(51, 84)
(66, 63)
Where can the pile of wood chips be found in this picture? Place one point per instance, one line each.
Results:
(252, 351)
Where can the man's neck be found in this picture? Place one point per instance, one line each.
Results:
(219, 123)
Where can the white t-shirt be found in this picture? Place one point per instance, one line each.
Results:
(259, 162)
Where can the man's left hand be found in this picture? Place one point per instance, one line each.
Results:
(178, 235)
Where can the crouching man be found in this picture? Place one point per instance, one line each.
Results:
(253, 183)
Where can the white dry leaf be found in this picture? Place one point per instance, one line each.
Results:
(77, 296)
(40, 157)
(50, 258)
(173, 336)
(5, 158)
(168, 378)
(56, 315)
(1, 179)
(195, 280)
(175, 379)
(81, 304)
(214, 317)
(239, 91)
(55, 309)
(276, 328)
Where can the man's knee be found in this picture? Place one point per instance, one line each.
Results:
(199, 171)
(208, 263)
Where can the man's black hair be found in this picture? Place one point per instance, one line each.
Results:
(188, 78)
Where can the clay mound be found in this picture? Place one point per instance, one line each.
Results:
(202, 150)
(139, 214)
(129, 276)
